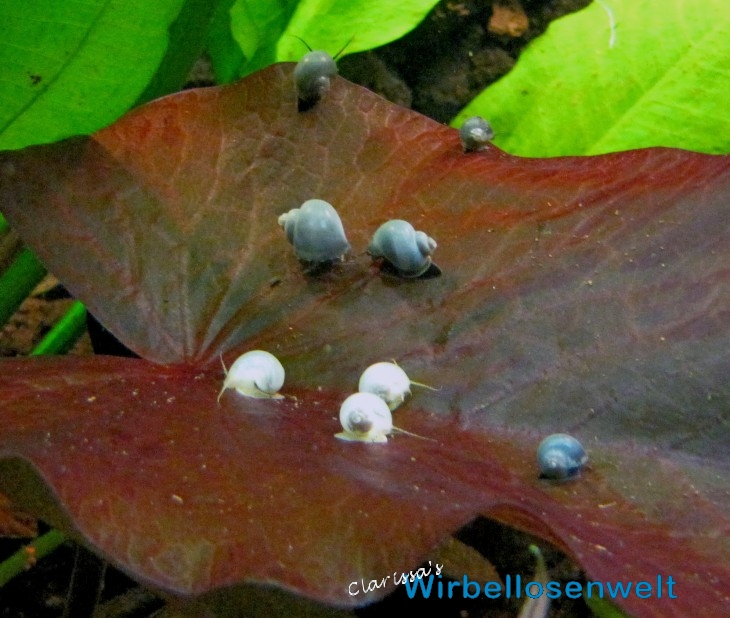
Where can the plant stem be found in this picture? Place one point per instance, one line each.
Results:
(61, 338)
(27, 556)
(18, 281)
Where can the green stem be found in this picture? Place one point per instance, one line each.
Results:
(18, 281)
(24, 558)
(61, 338)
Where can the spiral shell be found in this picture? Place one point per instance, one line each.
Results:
(257, 374)
(312, 77)
(365, 418)
(389, 382)
(475, 134)
(560, 457)
(316, 231)
(407, 250)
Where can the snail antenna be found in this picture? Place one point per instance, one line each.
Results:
(344, 47)
(302, 40)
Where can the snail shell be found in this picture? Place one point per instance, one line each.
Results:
(365, 418)
(312, 77)
(407, 250)
(257, 374)
(560, 456)
(316, 231)
(475, 134)
(389, 382)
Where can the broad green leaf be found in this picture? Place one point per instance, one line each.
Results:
(620, 74)
(224, 53)
(75, 66)
(257, 27)
(267, 31)
(331, 24)
(187, 37)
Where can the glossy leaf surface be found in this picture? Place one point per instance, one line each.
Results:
(651, 73)
(72, 67)
(586, 295)
(267, 31)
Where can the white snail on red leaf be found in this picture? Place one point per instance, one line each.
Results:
(389, 382)
(365, 418)
(257, 374)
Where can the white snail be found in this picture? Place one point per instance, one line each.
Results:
(365, 418)
(475, 134)
(389, 382)
(407, 250)
(316, 231)
(560, 457)
(256, 374)
(312, 77)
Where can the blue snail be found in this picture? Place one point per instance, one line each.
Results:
(560, 457)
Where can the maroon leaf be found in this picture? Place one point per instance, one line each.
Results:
(578, 294)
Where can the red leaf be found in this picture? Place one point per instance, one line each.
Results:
(587, 295)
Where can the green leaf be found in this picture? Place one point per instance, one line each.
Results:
(257, 27)
(187, 38)
(618, 75)
(267, 31)
(603, 608)
(225, 54)
(73, 67)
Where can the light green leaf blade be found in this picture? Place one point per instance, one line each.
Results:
(267, 31)
(330, 24)
(618, 75)
(187, 37)
(257, 27)
(223, 50)
(73, 67)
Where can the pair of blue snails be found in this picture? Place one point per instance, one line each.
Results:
(316, 232)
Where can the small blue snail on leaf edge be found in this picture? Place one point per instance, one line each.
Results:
(475, 134)
(312, 78)
(561, 457)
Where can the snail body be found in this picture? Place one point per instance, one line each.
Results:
(316, 231)
(475, 134)
(256, 374)
(389, 382)
(561, 457)
(365, 418)
(312, 77)
(407, 250)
